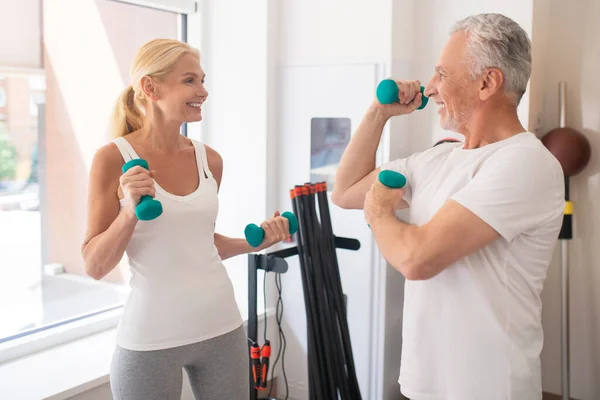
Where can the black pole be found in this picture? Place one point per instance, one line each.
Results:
(272, 262)
(315, 385)
(252, 321)
(334, 353)
(566, 231)
(322, 368)
(336, 289)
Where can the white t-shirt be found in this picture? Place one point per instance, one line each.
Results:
(474, 331)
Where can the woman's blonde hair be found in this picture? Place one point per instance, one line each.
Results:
(154, 59)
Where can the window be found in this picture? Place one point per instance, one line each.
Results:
(37, 93)
(2, 95)
(20, 237)
(53, 117)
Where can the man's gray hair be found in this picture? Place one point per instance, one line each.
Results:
(496, 41)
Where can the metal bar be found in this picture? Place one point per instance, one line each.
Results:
(183, 28)
(183, 34)
(272, 262)
(564, 250)
(562, 103)
(174, 6)
(252, 317)
(564, 287)
(346, 243)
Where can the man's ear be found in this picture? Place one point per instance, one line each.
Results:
(491, 82)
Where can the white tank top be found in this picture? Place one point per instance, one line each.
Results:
(180, 290)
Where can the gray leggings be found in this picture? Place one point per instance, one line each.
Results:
(217, 369)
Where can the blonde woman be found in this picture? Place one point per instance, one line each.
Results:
(181, 313)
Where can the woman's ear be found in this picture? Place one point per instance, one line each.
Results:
(149, 88)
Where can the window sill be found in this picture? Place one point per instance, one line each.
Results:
(64, 370)
(81, 321)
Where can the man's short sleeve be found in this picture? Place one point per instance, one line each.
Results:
(515, 190)
(406, 167)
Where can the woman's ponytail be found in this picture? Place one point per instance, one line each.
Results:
(127, 116)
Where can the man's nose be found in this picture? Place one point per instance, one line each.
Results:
(430, 89)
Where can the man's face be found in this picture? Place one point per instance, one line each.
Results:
(451, 86)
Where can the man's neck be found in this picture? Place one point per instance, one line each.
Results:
(490, 126)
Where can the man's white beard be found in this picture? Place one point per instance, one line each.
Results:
(457, 121)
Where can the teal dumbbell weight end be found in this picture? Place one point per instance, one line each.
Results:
(148, 208)
(392, 179)
(255, 234)
(387, 93)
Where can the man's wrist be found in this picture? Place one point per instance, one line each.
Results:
(377, 115)
(380, 214)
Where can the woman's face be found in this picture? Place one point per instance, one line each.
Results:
(179, 95)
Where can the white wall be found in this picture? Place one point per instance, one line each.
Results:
(572, 54)
(235, 57)
(315, 32)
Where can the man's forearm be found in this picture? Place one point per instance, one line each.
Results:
(231, 247)
(399, 243)
(358, 159)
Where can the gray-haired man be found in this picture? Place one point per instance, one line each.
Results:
(484, 216)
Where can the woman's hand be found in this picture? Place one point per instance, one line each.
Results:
(277, 229)
(135, 183)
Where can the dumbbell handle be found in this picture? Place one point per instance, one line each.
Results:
(255, 234)
(387, 93)
(148, 208)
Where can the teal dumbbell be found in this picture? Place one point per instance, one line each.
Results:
(148, 208)
(255, 234)
(387, 93)
(392, 179)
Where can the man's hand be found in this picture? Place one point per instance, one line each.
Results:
(409, 99)
(381, 201)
